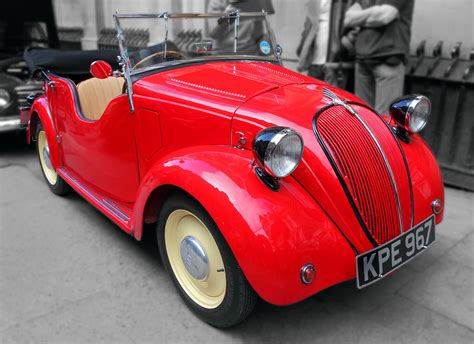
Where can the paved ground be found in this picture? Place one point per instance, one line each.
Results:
(67, 274)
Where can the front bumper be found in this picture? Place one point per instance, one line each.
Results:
(9, 123)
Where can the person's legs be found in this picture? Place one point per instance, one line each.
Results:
(316, 71)
(389, 81)
(365, 83)
(323, 73)
(330, 76)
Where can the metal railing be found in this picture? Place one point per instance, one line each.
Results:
(449, 83)
(135, 39)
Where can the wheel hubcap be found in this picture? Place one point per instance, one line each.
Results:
(45, 158)
(195, 259)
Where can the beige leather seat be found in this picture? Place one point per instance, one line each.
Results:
(95, 94)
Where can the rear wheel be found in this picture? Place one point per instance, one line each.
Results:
(201, 264)
(54, 181)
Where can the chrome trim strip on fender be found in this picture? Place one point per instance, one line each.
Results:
(102, 201)
(118, 210)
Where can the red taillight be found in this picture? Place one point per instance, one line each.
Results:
(307, 273)
(437, 206)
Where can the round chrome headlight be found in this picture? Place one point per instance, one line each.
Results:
(4, 98)
(279, 150)
(419, 113)
(411, 113)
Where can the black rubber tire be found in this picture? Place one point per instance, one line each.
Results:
(60, 188)
(240, 298)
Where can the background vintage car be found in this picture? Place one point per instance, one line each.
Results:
(20, 29)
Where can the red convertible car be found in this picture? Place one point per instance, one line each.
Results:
(262, 182)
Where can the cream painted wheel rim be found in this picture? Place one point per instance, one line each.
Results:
(49, 172)
(209, 291)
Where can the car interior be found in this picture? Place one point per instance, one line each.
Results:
(95, 94)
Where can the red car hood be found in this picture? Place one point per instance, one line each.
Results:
(234, 81)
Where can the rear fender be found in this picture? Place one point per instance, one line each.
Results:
(40, 111)
(272, 234)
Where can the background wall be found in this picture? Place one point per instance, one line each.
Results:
(287, 22)
(447, 20)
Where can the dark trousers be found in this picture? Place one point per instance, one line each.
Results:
(321, 72)
(379, 84)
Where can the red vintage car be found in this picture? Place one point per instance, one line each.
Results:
(262, 182)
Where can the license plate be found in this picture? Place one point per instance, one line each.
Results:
(378, 262)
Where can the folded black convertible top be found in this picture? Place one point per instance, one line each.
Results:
(71, 62)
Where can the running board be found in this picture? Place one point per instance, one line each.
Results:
(109, 208)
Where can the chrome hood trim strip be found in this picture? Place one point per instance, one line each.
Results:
(337, 101)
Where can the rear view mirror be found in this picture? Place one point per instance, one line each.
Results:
(101, 69)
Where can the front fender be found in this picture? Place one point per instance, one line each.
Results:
(426, 178)
(41, 109)
(272, 234)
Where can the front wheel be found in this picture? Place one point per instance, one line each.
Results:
(54, 181)
(201, 264)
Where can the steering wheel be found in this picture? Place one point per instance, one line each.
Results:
(159, 53)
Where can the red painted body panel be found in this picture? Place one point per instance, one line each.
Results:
(315, 171)
(272, 234)
(183, 134)
(102, 152)
(185, 120)
(426, 178)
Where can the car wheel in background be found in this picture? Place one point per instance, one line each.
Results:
(54, 181)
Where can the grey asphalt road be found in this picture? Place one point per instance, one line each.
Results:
(68, 275)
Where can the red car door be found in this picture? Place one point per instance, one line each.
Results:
(99, 151)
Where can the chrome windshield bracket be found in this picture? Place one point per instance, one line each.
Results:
(124, 60)
(273, 41)
(236, 14)
(165, 17)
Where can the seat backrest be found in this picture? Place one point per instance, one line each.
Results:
(95, 94)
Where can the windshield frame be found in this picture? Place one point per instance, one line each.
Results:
(132, 75)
